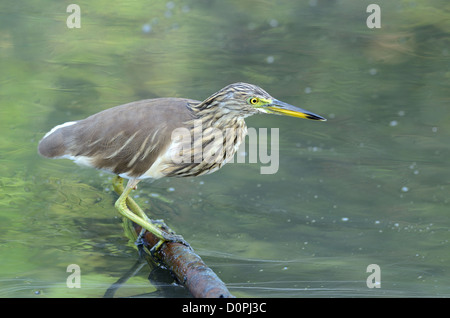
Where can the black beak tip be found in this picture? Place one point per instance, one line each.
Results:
(316, 117)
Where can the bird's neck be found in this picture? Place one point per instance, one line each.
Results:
(220, 126)
(217, 117)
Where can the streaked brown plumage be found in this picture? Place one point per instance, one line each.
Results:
(128, 139)
(141, 139)
(116, 137)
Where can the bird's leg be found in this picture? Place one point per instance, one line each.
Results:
(134, 207)
(138, 216)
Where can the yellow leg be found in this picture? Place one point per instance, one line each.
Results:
(134, 207)
(137, 215)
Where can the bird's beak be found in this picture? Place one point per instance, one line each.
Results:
(279, 107)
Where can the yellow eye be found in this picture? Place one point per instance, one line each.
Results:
(253, 100)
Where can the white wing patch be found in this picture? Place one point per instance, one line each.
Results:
(69, 123)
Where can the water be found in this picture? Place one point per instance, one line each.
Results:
(369, 186)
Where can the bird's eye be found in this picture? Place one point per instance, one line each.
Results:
(253, 100)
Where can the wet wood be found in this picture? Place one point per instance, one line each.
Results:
(188, 268)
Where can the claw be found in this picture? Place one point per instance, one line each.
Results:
(156, 248)
(174, 238)
(171, 238)
(140, 242)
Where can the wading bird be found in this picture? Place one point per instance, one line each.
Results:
(156, 138)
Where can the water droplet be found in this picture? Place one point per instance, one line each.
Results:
(273, 23)
(393, 123)
(146, 28)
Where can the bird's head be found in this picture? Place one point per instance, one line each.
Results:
(248, 99)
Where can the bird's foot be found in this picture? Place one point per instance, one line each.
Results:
(166, 235)
(160, 223)
(169, 238)
(141, 243)
(175, 238)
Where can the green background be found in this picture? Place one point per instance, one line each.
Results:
(369, 186)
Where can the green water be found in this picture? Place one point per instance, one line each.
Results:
(369, 186)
